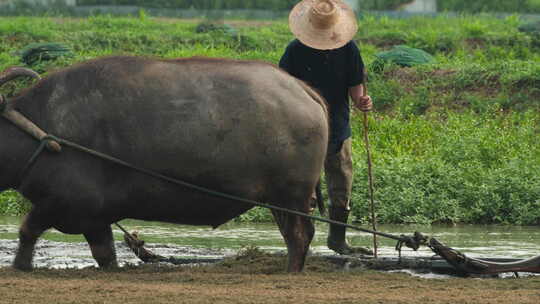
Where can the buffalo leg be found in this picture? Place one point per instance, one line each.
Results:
(101, 243)
(298, 233)
(29, 232)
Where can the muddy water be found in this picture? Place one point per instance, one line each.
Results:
(57, 250)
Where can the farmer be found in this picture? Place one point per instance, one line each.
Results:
(324, 56)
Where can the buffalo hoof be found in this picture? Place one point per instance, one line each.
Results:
(22, 266)
(108, 266)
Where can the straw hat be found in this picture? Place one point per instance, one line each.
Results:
(323, 24)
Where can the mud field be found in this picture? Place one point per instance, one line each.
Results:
(62, 255)
(218, 271)
(253, 278)
(249, 276)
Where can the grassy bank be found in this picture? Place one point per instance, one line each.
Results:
(453, 141)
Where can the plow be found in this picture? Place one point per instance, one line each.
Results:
(468, 265)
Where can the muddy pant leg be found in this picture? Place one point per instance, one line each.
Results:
(338, 173)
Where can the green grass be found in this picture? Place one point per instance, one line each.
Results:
(513, 6)
(453, 142)
(11, 203)
(453, 167)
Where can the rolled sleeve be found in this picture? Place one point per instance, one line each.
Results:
(355, 73)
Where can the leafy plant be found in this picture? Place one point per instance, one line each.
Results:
(454, 141)
(11, 203)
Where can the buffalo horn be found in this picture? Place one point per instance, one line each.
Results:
(17, 118)
(16, 72)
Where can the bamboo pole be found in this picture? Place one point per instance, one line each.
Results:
(370, 170)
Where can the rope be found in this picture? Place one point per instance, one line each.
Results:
(31, 161)
(136, 241)
(409, 241)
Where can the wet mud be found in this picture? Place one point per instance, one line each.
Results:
(253, 277)
(186, 245)
(61, 255)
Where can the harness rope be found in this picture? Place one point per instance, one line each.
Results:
(413, 242)
(31, 161)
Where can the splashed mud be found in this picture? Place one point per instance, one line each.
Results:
(204, 245)
(253, 277)
(62, 255)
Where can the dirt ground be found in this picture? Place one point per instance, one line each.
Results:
(254, 279)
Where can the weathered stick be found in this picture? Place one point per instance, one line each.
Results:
(370, 171)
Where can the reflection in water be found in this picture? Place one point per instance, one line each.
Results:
(178, 240)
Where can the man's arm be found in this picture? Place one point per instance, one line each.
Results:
(361, 102)
(356, 78)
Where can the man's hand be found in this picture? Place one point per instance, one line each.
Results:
(363, 103)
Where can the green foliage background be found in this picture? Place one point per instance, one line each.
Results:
(478, 6)
(199, 4)
(249, 8)
(522, 6)
(453, 142)
(234, 4)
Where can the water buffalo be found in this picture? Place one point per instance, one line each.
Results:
(240, 127)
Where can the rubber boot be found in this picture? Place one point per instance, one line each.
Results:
(336, 236)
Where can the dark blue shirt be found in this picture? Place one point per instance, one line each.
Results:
(332, 73)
